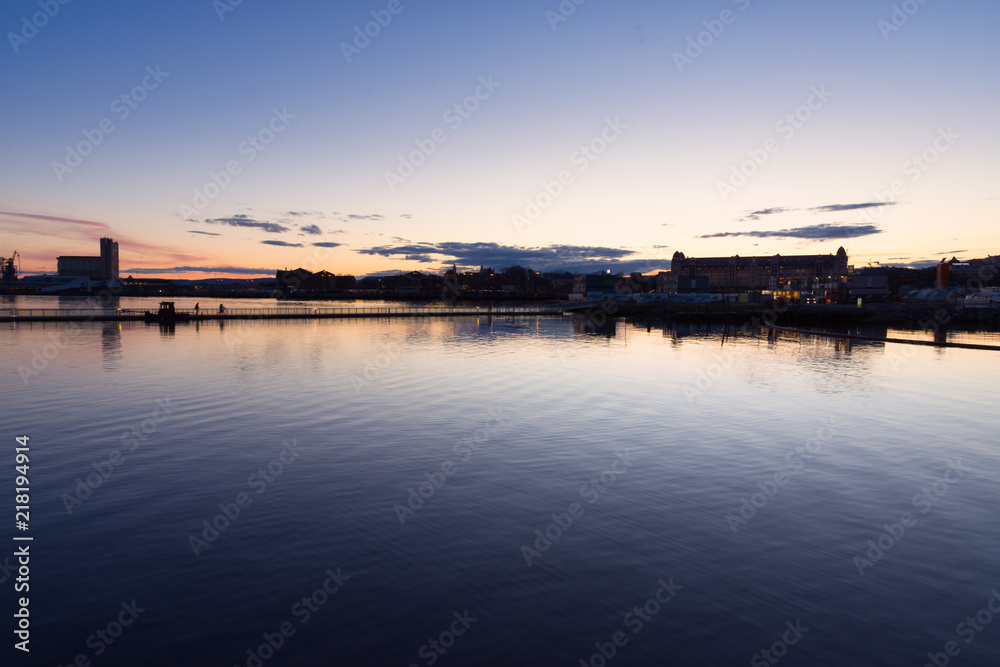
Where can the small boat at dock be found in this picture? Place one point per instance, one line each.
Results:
(166, 314)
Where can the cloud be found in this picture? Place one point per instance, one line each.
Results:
(84, 235)
(405, 215)
(755, 215)
(327, 244)
(53, 218)
(829, 208)
(242, 220)
(201, 269)
(833, 208)
(283, 244)
(921, 264)
(195, 231)
(812, 232)
(548, 258)
(373, 216)
(312, 230)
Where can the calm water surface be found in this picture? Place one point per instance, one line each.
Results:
(547, 481)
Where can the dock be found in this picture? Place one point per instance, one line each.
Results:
(883, 339)
(290, 313)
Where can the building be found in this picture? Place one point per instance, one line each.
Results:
(755, 273)
(870, 284)
(669, 282)
(481, 282)
(974, 272)
(302, 280)
(596, 285)
(104, 267)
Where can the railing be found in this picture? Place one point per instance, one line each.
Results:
(16, 313)
(301, 312)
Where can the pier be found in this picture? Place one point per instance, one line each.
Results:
(883, 339)
(290, 313)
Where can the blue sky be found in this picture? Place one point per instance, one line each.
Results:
(691, 147)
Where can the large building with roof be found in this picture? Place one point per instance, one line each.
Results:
(766, 272)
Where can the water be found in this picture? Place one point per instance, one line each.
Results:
(504, 422)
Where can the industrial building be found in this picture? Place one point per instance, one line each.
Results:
(104, 267)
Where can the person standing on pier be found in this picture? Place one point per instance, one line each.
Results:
(195, 309)
(222, 309)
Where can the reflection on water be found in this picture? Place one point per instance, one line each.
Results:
(111, 345)
(707, 416)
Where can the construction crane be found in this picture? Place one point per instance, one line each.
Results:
(10, 267)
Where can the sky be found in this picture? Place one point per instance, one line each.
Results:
(216, 138)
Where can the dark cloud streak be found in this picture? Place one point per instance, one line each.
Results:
(242, 220)
(282, 244)
(834, 208)
(812, 232)
(202, 269)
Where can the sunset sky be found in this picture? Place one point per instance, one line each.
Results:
(219, 139)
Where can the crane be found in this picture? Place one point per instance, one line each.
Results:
(10, 267)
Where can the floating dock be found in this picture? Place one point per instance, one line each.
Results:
(291, 313)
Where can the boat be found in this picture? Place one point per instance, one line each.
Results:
(987, 297)
(166, 314)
